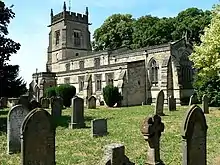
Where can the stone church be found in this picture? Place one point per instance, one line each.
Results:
(139, 74)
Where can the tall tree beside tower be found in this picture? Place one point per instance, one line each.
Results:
(10, 84)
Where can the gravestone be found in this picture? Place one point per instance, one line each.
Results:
(24, 100)
(56, 106)
(171, 103)
(3, 102)
(92, 102)
(151, 129)
(45, 103)
(193, 99)
(38, 139)
(205, 104)
(114, 154)
(15, 118)
(159, 103)
(99, 127)
(77, 116)
(194, 135)
(34, 104)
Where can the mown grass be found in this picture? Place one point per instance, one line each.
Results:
(78, 147)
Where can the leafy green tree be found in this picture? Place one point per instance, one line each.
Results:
(115, 32)
(206, 56)
(193, 21)
(50, 92)
(10, 84)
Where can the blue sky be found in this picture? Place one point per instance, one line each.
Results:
(29, 27)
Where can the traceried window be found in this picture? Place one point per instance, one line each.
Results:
(81, 64)
(57, 37)
(67, 67)
(66, 80)
(153, 68)
(77, 38)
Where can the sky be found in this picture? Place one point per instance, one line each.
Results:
(29, 27)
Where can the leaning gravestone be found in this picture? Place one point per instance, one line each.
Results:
(194, 135)
(114, 154)
(171, 103)
(56, 106)
(92, 102)
(99, 127)
(205, 104)
(77, 116)
(38, 139)
(159, 104)
(15, 118)
(24, 100)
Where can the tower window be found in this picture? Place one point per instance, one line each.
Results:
(77, 54)
(97, 62)
(81, 65)
(81, 83)
(57, 37)
(67, 67)
(66, 80)
(77, 38)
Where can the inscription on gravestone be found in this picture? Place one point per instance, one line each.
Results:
(38, 139)
(15, 118)
(194, 135)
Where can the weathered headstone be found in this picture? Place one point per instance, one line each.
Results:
(34, 104)
(99, 127)
(38, 139)
(193, 99)
(92, 102)
(114, 154)
(194, 135)
(45, 103)
(15, 118)
(151, 129)
(24, 100)
(77, 116)
(56, 106)
(159, 103)
(171, 103)
(3, 102)
(205, 104)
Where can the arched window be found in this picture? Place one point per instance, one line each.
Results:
(153, 71)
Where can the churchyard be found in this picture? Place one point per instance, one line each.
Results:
(77, 146)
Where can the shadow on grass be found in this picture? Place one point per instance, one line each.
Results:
(64, 121)
(3, 124)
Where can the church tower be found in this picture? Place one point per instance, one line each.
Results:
(69, 37)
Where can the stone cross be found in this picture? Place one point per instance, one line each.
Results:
(194, 134)
(38, 138)
(171, 103)
(159, 103)
(205, 104)
(15, 118)
(152, 128)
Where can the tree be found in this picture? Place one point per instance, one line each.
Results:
(193, 21)
(10, 84)
(206, 56)
(115, 32)
(111, 95)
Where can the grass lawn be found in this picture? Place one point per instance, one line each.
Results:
(78, 147)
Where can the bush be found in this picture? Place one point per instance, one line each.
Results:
(66, 92)
(111, 95)
(209, 86)
(50, 92)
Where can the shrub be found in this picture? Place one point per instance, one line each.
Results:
(50, 92)
(111, 95)
(67, 92)
(209, 86)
